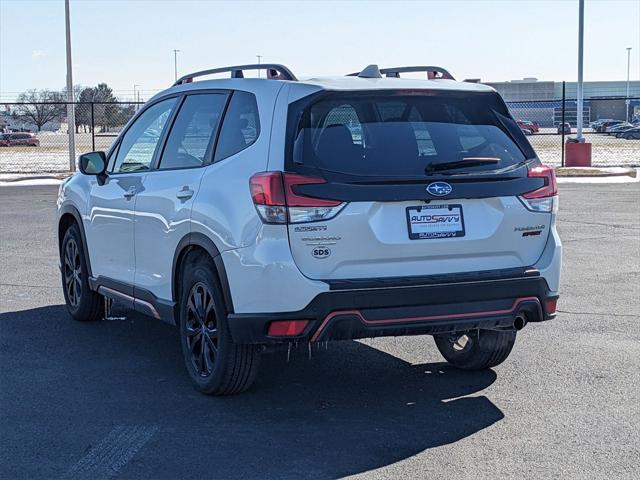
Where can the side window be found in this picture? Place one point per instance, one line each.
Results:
(193, 133)
(241, 125)
(139, 144)
(112, 158)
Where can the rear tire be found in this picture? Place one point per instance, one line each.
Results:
(476, 349)
(83, 304)
(216, 365)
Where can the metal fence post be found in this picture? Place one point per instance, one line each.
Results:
(93, 130)
(562, 126)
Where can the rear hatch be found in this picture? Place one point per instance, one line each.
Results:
(422, 183)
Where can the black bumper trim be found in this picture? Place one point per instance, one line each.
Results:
(394, 303)
(393, 282)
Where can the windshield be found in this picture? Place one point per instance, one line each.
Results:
(390, 134)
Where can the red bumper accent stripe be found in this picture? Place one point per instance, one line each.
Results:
(391, 321)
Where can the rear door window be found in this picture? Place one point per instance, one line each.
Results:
(192, 136)
(389, 134)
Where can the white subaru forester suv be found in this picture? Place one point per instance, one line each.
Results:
(270, 211)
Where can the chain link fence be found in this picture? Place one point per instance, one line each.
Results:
(36, 140)
(604, 126)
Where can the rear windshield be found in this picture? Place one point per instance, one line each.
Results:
(391, 134)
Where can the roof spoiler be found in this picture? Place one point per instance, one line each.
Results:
(275, 71)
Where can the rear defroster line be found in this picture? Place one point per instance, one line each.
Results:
(390, 321)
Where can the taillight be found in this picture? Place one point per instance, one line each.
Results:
(276, 198)
(287, 328)
(542, 199)
(550, 305)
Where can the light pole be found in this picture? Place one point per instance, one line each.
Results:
(580, 99)
(259, 58)
(71, 117)
(628, 70)
(578, 151)
(175, 64)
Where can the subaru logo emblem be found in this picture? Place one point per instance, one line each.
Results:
(439, 189)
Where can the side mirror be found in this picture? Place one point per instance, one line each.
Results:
(94, 163)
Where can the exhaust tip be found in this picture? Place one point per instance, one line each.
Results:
(519, 323)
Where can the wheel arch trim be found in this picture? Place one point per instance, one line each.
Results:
(196, 239)
(69, 209)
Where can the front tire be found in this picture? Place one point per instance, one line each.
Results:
(216, 365)
(83, 304)
(476, 349)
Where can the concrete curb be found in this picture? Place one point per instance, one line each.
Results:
(18, 177)
(596, 172)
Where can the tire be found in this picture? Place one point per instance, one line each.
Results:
(483, 348)
(216, 365)
(83, 304)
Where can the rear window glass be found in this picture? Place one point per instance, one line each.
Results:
(390, 134)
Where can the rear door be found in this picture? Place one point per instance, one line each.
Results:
(409, 210)
(163, 206)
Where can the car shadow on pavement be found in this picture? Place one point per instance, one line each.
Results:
(347, 410)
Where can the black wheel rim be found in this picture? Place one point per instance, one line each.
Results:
(201, 330)
(72, 273)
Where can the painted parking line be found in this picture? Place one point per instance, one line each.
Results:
(112, 453)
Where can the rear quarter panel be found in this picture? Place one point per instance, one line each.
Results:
(223, 209)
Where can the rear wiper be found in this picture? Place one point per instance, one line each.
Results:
(465, 162)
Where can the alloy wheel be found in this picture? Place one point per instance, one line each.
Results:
(73, 273)
(201, 329)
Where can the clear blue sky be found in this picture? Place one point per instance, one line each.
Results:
(127, 42)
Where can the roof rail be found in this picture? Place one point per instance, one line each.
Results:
(275, 71)
(432, 72)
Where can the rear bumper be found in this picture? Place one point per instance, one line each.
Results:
(406, 310)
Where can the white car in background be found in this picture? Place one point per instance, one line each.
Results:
(271, 211)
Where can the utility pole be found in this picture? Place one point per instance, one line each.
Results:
(175, 64)
(580, 95)
(259, 58)
(71, 118)
(628, 71)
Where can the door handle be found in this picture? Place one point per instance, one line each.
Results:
(130, 193)
(185, 194)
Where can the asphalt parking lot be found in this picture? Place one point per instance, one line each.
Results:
(111, 399)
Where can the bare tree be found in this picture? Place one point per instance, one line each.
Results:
(39, 107)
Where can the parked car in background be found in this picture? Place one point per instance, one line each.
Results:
(621, 127)
(564, 128)
(598, 123)
(631, 134)
(19, 139)
(529, 128)
(604, 127)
